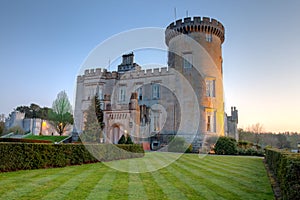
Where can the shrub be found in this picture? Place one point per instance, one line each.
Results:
(286, 167)
(226, 146)
(189, 149)
(249, 152)
(128, 140)
(18, 156)
(122, 140)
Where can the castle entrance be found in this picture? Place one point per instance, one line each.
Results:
(115, 134)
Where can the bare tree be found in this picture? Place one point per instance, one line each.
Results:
(60, 115)
(257, 129)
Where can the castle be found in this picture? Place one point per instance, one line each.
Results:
(36, 126)
(184, 99)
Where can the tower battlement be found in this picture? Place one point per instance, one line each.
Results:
(197, 24)
(146, 73)
(103, 73)
(99, 72)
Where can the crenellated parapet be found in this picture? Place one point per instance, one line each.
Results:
(146, 73)
(98, 72)
(197, 24)
(104, 74)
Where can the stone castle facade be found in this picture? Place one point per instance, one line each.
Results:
(36, 126)
(185, 98)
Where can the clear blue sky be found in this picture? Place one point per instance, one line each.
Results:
(44, 43)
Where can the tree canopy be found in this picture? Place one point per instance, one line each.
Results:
(34, 111)
(60, 115)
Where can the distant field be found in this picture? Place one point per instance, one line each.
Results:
(46, 137)
(190, 177)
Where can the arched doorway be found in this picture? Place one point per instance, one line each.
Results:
(114, 134)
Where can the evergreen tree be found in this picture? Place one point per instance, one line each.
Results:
(99, 113)
(92, 128)
(122, 140)
(128, 140)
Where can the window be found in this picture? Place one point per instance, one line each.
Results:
(187, 60)
(102, 106)
(100, 93)
(156, 123)
(210, 87)
(208, 37)
(122, 93)
(140, 93)
(155, 91)
(211, 121)
(155, 120)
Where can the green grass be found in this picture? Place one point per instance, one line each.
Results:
(46, 137)
(190, 177)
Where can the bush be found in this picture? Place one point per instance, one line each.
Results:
(19, 156)
(286, 167)
(122, 140)
(129, 140)
(189, 149)
(249, 152)
(226, 146)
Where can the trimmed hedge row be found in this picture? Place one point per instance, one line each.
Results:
(250, 152)
(24, 140)
(21, 156)
(286, 167)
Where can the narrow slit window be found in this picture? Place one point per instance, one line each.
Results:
(187, 60)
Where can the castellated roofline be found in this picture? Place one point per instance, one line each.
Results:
(198, 24)
(146, 73)
(103, 73)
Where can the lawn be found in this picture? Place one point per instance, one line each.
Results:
(190, 177)
(46, 137)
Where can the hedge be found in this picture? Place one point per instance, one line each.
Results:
(22, 156)
(24, 140)
(286, 168)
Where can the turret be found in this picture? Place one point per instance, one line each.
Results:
(208, 32)
(206, 25)
(133, 105)
(195, 51)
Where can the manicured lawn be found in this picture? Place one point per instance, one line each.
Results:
(190, 177)
(46, 137)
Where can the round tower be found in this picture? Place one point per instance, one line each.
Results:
(195, 51)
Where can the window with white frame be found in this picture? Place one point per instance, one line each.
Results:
(156, 120)
(210, 121)
(187, 60)
(140, 93)
(208, 37)
(122, 94)
(155, 91)
(210, 87)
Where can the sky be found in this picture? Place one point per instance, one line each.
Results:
(44, 43)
